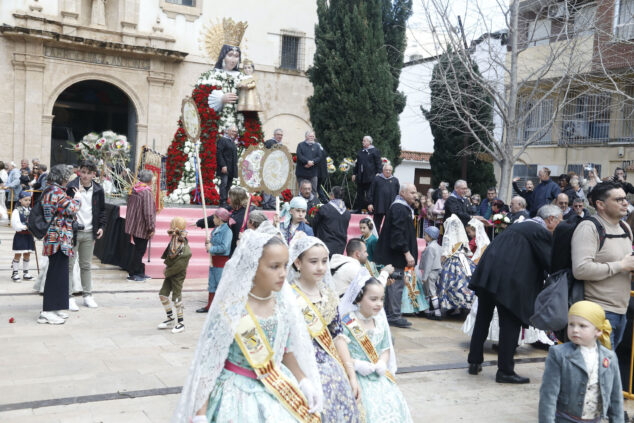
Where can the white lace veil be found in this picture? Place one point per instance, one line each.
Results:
(346, 306)
(454, 233)
(224, 314)
(481, 238)
(299, 244)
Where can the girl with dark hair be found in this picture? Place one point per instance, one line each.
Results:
(368, 235)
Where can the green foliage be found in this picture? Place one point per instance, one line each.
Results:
(449, 78)
(354, 87)
(395, 15)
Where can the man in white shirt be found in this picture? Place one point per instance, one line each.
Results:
(345, 268)
(89, 227)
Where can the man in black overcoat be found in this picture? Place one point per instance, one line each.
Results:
(309, 155)
(397, 246)
(509, 276)
(331, 222)
(367, 167)
(226, 161)
(382, 192)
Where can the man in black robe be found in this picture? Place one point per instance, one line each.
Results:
(381, 194)
(331, 222)
(397, 246)
(509, 275)
(227, 161)
(367, 167)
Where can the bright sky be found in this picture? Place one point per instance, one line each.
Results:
(478, 17)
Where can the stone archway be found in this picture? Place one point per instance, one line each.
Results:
(87, 106)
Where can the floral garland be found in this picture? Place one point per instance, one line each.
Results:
(227, 83)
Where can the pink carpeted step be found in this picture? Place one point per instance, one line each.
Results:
(199, 263)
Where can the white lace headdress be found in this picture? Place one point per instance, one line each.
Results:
(454, 233)
(224, 314)
(298, 245)
(347, 306)
(481, 238)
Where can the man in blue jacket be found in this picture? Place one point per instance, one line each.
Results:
(545, 192)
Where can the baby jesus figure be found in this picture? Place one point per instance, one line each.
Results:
(248, 99)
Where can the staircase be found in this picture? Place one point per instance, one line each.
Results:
(199, 263)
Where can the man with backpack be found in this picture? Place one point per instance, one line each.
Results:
(601, 251)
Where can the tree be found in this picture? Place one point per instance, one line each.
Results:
(354, 88)
(558, 59)
(395, 15)
(452, 144)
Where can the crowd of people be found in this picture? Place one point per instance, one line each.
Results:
(323, 304)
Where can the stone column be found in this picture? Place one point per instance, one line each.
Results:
(45, 149)
(160, 126)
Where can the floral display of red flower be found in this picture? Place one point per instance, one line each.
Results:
(256, 200)
(211, 196)
(287, 195)
(313, 210)
(176, 157)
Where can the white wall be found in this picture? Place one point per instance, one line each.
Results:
(415, 131)
(405, 171)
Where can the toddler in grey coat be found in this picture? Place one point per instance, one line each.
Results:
(582, 382)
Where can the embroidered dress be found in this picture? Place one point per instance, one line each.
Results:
(453, 285)
(238, 398)
(339, 403)
(407, 305)
(382, 399)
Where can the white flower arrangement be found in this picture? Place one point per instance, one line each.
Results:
(229, 83)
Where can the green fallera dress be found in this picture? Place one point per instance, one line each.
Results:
(382, 399)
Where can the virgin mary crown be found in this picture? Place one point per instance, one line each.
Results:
(233, 31)
(226, 32)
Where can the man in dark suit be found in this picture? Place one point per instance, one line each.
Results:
(458, 204)
(331, 222)
(227, 161)
(277, 138)
(367, 167)
(397, 246)
(509, 276)
(309, 154)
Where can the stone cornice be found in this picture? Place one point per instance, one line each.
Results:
(42, 28)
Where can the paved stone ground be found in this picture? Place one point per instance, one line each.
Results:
(117, 349)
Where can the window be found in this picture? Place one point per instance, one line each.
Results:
(539, 32)
(538, 124)
(585, 19)
(190, 9)
(191, 3)
(625, 22)
(627, 120)
(291, 50)
(586, 119)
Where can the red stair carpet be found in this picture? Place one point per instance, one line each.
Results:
(199, 263)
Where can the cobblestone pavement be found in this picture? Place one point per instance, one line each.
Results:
(87, 369)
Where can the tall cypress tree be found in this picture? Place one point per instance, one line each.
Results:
(449, 149)
(354, 91)
(395, 16)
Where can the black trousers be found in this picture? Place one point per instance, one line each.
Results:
(362, 196)
(509, 333)
(56, 285)
(394, 297)
(378, 219)
(136, 266)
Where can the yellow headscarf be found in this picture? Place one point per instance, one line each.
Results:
(593, 313)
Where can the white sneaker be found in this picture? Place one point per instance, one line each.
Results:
(178, 328)
(72, 304)
(61, 314)
(166, 324)
(51, 318)
(90, 302)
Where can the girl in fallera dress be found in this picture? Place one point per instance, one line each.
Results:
(369, 236)
(254, 362)
(370, 342)
(310, 278)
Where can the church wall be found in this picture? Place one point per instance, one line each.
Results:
(36, 77)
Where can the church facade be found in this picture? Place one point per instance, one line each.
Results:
(74, 66)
